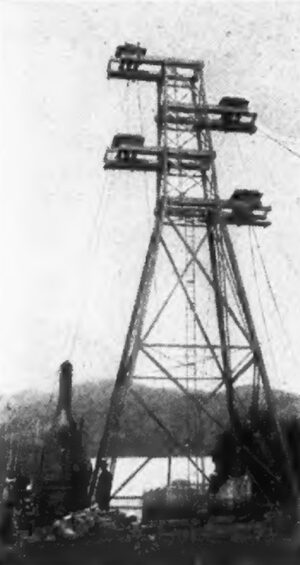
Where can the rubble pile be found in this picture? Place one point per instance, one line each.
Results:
(78, 524)
(115, 526)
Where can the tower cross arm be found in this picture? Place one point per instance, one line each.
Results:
(207, 109)
(168, 62)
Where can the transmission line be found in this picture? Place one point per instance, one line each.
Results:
(279, 143)
(92, 247)
(260, 303)
(273, 296)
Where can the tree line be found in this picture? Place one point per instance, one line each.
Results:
(27, 418)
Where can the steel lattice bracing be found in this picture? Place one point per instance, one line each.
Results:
(198, 335)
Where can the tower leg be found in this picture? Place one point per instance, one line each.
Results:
(130, 350)
(259, 360)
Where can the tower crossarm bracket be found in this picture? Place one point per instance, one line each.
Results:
(221, 117)
(207, 109)
(127, 154)
(132, 63)
(233, 211)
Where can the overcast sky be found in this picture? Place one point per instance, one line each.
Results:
(70, 255)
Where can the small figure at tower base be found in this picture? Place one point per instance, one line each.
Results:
(103, 489)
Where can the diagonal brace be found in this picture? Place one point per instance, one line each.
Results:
(209, 280)
(166, 430)
(131, 476)
(192, 307)
(168, 298)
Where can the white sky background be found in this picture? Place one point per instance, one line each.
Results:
(63, 293)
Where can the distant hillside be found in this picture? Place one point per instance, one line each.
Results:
(29, 414)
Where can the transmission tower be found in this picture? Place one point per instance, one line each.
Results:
(201, 339)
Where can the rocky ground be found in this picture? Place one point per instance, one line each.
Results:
(95, 552)
(94, 538)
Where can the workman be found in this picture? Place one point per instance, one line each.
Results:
(103, 489)
(7, 533)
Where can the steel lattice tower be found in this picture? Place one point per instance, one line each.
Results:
(191, 232)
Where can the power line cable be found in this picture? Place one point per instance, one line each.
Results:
(267, 278)
(241, 157)
(261, 305)
(279, 143)
(93, 246)
(145, 177)
(287, 257)
(274, 299)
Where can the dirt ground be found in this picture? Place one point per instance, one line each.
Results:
(94, 552)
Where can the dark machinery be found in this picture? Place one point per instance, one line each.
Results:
(62, 479)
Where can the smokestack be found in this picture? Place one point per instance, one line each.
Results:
(65, 391)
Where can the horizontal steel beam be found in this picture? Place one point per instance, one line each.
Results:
(193, 346)
(165, 378)
(158, 61)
